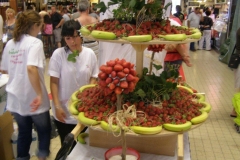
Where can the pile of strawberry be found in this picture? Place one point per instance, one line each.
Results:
(179, 109)
(148, 27)
(118, 76)
(156, 47)
(95, 104)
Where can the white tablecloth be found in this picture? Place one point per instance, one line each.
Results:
(86, 152)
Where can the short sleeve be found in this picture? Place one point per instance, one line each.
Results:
(36, 54)
(54, 67)
(190, 17)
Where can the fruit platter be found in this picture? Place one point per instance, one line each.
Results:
(163, 104)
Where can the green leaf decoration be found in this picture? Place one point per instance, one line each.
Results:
(157, 67)
(101, 6)
(72, 56)
(141, 93)
(145, 71)
(132, 3)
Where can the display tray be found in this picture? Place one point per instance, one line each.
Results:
(154, 41)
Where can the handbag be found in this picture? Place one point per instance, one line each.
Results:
(234, 60)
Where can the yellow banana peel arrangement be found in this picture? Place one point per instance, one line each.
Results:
(73, 108)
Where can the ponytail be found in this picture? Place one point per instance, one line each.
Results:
(24, 23)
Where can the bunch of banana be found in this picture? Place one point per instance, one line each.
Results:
(195, 30)
(201, 98)
(74, 96)
(201, 118)
(196, 35)
(81, 136)
(84, 31)
(138, 38)
(73, 108)
(103, 35)
(146, 130)
(186, 88)
(87, 86)
(87, 121)
(177, 127)
(105, 126)
(174, 37)
(207, 107)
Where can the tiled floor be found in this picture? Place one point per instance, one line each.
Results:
(216, 139)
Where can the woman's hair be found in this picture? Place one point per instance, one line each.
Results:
(208, 13)
(83, 5)
(24, 23)
(47, 19)
(69, 28)
(178, 8)
(10, 10)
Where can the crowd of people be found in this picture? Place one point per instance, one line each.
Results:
(23, 59)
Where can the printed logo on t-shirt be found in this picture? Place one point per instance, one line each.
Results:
(16, 56)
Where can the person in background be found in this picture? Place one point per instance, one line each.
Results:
(66, 76)
(57, 21)
(94, 14)
(193, 21)
(86, 19)
(206, 26)
(64, 14)
(47, 25)
(76, 14)
(43, 11)
(1, 37)
(179, 13)
(9, 23)
(23, 60)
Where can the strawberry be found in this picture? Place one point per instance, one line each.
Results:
(102, 68)
(121, 75)
(127, 65)
(111, 63)
(116, 81)
(136, 79)
(112, 86)
(102, 83)
(133, 72)
(108, 70)
(130, 77)
(126, 91)
(126, 70)
(123, 84)
(108, 80)
(118, 90)
(113, 74)
(131, 86)
(118, 67)
(102, 76)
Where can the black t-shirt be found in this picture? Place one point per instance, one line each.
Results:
(207, 21)
(56, 18)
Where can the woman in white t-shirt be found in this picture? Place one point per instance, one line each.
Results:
(68, 76)
(23, 59)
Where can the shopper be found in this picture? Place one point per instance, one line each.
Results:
(85, 19)
(193, 21)
(64, 14)
(57, 21)
(205, 27)
(179, 13)
(10, 23)
(23, 59)
(66, 76)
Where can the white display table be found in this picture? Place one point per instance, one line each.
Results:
(86, 152)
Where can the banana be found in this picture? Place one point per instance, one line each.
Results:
(81, 136)
(186, 88)
(138, 38)
(195, 30)
(103, 35)
(207, 107)
(196, 35)
(201, 118)
(201, 97)
(87, 86)
(178, 127)
(146, 130)
(74, 96)
(86, 121)
(73, 109)
(105, 126)
(174, 37)
(84, 31)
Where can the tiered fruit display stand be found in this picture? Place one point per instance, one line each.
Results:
(140, 47)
